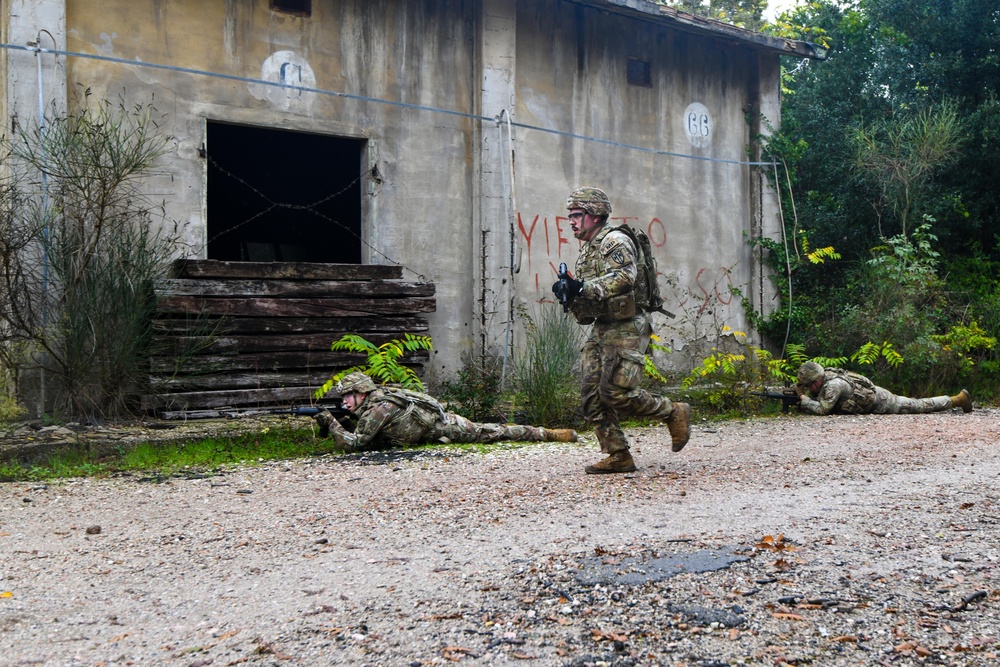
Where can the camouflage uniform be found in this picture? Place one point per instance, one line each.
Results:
(390, 417)
(844, 392)
(613, 357)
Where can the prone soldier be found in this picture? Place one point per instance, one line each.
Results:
(389, 417)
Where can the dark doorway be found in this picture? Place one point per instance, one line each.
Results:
(280, 196)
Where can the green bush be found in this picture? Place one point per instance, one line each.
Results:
(476, 393)
(546, 385)
(82, 254)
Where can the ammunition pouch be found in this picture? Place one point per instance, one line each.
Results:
(613, 309)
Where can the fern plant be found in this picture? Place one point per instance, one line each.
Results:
(383, 363)
(870, 352)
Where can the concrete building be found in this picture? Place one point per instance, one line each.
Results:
(439, 135)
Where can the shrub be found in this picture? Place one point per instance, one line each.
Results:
(476, 393)
(547, 390)
(81, 254)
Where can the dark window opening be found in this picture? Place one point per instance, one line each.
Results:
(297, 7)
(280, 196)
(639, 72)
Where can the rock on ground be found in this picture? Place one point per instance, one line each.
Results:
(788, 541)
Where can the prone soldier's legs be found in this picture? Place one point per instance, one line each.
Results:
(456, 428)
(904, 405)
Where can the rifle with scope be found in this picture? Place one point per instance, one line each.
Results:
(311, 411)
(787, 396)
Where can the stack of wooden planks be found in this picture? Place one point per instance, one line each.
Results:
(252, 334)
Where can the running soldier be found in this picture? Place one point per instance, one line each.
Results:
(603, 293)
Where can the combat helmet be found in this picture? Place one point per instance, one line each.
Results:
(809, 372)
(355, 382)
(591, 200)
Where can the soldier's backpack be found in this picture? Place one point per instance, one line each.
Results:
(863, 399)
(647, 288)
(417, 405)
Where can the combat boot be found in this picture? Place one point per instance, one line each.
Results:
(560, 435)
(679, 425)
(617, 462)
(962, 400)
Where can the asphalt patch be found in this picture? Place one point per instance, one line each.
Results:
(635, 571)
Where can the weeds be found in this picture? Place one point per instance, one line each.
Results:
(384, 362)
(547, 387)
(477, 392)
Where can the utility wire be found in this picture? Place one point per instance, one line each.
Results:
(301, 207)
(363, 98)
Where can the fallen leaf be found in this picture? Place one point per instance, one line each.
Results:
(599, 635)
(788, 617)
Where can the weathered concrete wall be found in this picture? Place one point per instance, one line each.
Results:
(36, 24)
(445, 202)
(417, 213)
(696, 208)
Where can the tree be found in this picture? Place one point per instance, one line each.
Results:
(747, 14)
(81, 253)
(901, 153)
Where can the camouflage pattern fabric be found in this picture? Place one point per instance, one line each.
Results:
(613, 356)
(853, 394)
(608, 266)
(390, 418)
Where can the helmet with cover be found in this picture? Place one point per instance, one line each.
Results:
(589, 200)
(355, 382)
(809, 372)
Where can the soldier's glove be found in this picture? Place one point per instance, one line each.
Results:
(566, 289)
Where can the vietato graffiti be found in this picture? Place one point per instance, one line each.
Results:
(544, 240)
(549, 241)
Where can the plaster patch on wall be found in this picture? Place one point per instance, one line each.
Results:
(698, 125)
(289, 68)
(108, 47)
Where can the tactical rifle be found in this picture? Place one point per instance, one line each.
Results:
(341, 414)
(337, 411)
(562, 287)
(787, 396)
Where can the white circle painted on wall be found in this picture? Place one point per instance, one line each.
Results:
(291, 69)
(698, 125)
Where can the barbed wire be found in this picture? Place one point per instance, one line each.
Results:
(311, 208)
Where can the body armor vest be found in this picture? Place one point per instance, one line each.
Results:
(862, 400)
(592, 264)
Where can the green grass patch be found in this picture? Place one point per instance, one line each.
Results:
(170, 457)
(185, 457)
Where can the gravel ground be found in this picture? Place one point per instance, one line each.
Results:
(785, 541)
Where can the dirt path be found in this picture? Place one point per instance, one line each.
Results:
(889, 555)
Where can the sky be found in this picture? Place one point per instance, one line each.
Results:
(775, 7)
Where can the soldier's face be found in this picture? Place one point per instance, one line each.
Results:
(584, 225)
(352, 400)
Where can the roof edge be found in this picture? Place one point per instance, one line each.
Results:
(643, 9)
